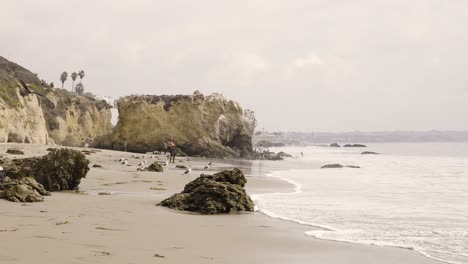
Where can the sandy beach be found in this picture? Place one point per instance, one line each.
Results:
(114, 219)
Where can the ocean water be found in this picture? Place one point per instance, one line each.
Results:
(412, 195)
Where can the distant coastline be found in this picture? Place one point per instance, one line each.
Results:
(312, 138)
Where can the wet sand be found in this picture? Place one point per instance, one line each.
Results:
(113, 219)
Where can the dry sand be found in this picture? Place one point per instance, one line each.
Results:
(113, 219)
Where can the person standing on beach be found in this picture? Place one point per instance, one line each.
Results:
(164, 147)
(2, 174)
(171, 147)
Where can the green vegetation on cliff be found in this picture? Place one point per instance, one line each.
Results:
(62, 117)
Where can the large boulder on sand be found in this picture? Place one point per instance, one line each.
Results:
(222, 193)
(22, 190)
(61, 169)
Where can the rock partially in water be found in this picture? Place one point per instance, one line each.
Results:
(181, 167)
(332, 166)
(222, 193)
(338, 166)
(354, 146)
(61, 169)
(15, 152)
(156, 166)
(97, 166)
(369, 153)
(22, 190)
(335, 145)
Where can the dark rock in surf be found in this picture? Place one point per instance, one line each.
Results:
(369, 153)
(332, 166)
(354, 146)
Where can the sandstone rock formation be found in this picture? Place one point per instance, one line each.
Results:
(221, 193)
(61, 169)
(210, 126)
(59, 117)
(22, 190)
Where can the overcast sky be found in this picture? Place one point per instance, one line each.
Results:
(301, 65)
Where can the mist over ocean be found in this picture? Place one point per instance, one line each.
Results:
(412, 195)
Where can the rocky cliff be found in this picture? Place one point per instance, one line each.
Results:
(59, 116)
(210, 126)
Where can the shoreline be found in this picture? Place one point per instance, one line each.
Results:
(125, 226)
(296, 189)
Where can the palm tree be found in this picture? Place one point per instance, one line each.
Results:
(81, 73)
(63, 77)
(73, 76)
(79, 89)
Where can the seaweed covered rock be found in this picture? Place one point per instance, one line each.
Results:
(222, 193)
(22, 190)
(61, 169)
(157, 167)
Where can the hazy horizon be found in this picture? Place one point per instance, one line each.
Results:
(311, 66)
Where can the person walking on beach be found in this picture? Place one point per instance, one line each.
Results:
(171, 147)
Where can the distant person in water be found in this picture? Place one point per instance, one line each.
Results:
(302, 154)
(171, 147)
(261, 151)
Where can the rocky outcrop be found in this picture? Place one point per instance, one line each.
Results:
(338, 166)
(334, 145)
(51, 115)
(15, 152)
(369, 153)
(209, 126)
(221, 193)
(354, 146)
(22, 190)
(332, 166)
(61, 169)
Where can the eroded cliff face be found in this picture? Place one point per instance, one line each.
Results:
(72, 119)
(62, 118)
(23, 124)
(209, 126)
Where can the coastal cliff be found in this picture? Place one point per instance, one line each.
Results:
(209, 126)
(51, 115)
